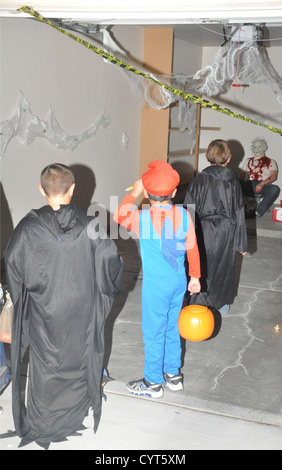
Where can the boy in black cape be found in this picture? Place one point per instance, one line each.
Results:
(221, 230)
(63, 275)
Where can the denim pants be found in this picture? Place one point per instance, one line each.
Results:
(269, 193)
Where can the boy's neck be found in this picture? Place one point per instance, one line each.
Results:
(57, 202)
(218, 164)
(158, 203)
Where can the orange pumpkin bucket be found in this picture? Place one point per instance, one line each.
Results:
(196, 323)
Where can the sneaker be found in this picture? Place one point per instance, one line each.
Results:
(142, 387)
(174, 382)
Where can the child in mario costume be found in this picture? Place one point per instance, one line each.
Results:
(166, 233)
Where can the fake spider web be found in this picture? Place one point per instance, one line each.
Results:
(235, 64)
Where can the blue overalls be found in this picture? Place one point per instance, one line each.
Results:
(163, 289)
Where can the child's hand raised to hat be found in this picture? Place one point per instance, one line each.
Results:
(137, 188)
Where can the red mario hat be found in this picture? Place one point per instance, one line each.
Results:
(160, 179)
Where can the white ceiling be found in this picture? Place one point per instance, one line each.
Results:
(200, 22)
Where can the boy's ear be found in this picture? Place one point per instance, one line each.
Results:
(173, 194)
(41, 190)
(71, 190)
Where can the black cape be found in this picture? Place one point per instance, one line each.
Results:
(221, 231)
(62, 279)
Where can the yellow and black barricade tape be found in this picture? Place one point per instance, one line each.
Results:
(187, 96)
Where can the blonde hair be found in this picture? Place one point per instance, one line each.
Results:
(218, 152)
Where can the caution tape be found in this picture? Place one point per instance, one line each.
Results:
(187, 96)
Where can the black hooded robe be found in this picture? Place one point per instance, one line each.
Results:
(221, 231)
(63, 279)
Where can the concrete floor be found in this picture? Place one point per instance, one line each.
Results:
(232, 399)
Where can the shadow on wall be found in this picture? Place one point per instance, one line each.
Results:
(85, 184)
(238, 154)
(186, 173)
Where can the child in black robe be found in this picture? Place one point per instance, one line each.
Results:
(63, 275)
(221, 228)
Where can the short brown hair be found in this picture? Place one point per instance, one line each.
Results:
(218, 152)
(56, 179)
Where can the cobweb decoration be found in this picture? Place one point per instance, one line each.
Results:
(149, 93)
(27, 126)
(152, 95)
(246, 62)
